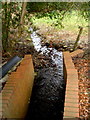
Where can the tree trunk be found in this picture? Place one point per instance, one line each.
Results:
(6, 26)
(24, 4)
(78, 38)
(4, 29)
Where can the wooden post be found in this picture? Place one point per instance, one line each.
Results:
(78, 38)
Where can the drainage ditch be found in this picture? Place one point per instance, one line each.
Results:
(47, 100)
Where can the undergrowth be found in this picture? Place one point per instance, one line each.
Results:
(61, 20)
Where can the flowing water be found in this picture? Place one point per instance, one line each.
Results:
(47, 100)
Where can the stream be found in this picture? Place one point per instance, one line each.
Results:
(47, 100)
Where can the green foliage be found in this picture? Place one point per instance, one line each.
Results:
(85, 10)
(68, 21)
(47, 6)
(83, 7)
(74, 19)
(54, 18)
(36, 6)
(15, 14)
(68, 15)
(56, 14)
(10, 19)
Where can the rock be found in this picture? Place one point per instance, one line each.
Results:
(30, 44)
(60, 49)
(47, 44)
(80, 46)
(20, 42)
(56, 46)
(65, 46)
(71, 50)
(28, 39)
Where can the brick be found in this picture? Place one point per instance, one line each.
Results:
(71, 114)
(6, 94)
(73, 96)
(0, 95)
(10, 85)
(72, 77)
(6, 91)
(5, 102)
(70, 118)
(69, 63)
(71, 100)
(25, 60)
(11, 82)
(71, 85)
(14, 77)
(22, 82)
(71, 92)
(21, 68)
(68, 60)
(28, 56)
(72, 72)
(71, 109)
(76, 52)
(68, 104)
(72, 89)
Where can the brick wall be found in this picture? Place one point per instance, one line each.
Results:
(71, 107)
(17, 90)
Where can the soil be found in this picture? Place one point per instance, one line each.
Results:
(63, 40)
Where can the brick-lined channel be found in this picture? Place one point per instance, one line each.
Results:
(47, 100)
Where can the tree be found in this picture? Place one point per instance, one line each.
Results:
(6, 25)
(12, 18)
(24, 4)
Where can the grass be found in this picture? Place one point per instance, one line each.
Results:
(73, 20)
(70, 22)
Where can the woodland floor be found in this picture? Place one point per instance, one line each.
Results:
(63, 37)
(82, 64)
